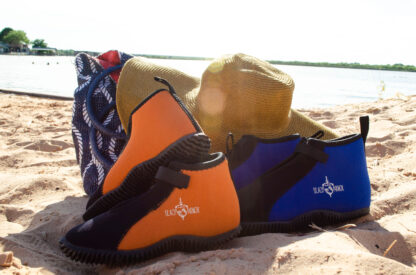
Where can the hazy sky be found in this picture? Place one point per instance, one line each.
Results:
(375, 32)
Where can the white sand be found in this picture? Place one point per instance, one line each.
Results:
(41, 198)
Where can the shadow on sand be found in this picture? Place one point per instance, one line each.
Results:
(37, 246)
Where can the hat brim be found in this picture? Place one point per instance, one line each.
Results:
(137, 82)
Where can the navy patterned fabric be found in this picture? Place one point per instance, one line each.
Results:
(95, 164)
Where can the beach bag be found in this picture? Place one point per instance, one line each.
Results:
(96, 128)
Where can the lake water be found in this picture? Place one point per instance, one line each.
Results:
(315, 86)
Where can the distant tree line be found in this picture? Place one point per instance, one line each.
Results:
(395, 67)
(17, 40)
(155, 56)
(66, 52)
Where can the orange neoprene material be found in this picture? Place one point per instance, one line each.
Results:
(211, 190)
(155, 125)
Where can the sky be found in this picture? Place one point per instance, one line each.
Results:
(364, 31)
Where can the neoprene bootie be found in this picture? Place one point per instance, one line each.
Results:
(252, 156)
(322, 182)
(190, 207)
(160, 130)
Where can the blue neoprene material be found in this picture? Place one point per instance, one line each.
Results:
(264, 157)
(346, 166)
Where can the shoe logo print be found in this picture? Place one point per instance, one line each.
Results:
(182, 210)
(328, 187)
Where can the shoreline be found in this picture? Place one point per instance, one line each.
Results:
(42, 197)
(342, 65)
(67, 98)
(19, 93)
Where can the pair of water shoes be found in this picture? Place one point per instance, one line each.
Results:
(167, 193)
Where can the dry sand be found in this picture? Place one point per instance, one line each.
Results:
(41, 197)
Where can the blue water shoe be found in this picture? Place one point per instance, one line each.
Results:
(322, 182)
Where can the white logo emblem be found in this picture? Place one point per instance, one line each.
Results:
(182, 210)
(328, 187)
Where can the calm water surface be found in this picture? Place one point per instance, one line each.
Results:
(315, 86)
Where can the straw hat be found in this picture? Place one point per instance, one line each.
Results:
(237, 93)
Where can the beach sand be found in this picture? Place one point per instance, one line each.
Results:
(41, 198)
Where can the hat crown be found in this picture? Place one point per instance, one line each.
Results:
(244, 69)
(237, 93)
(242, 93)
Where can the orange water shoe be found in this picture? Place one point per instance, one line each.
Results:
(160, 130)
(190, 207)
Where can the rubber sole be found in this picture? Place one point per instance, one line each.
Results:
(189, 148)
(123, 258)
(302, 222)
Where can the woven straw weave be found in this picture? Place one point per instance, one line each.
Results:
(237, 93)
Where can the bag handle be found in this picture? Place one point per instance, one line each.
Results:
(93, 141)
(95, 122)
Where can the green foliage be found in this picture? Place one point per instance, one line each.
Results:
(155, 56)
(39, 43)
(395, 67)
(16, 37)
(66, 52)
(355, 65)
(4, 32)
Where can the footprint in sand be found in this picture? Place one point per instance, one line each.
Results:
(405, 133)
(14, 213)
(373, 110)
(12, 141)
(5, 133)
(37, 188)
(406, 122)
(46, 145)
(10, 161)
(24, 143)
(401, 202)
(324, 115)
(331, 124)
(55, 129)
(55, 163)
(314, 114)
(380, 139)
(390, 148)
(397, 146)
(378, 150)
